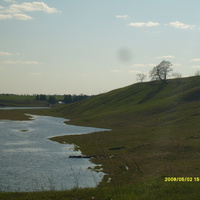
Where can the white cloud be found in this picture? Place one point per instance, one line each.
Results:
(36, 74)
(195, 60)
(2, 53)
(180, 25)
(115, 71)
(122, 16)
(83, 75)
(134, 71)
(34, 6)
(138, 65)
(9, 1)
(17, 11)
(3, 17)
(144, 24)
(151, 65)
(10, 62)
(163, 57)
(142, 65)
(176, 65)
(22, 17)
(18, 16)
(195, 66)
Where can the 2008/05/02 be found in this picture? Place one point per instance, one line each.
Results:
(182, 179)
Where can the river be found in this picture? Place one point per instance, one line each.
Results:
(29, 161)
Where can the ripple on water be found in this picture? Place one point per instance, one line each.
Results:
(28, 157)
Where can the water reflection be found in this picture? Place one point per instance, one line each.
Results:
(29, 161)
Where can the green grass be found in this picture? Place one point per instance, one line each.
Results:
(146, 190)
(157, 124)
(159, 127)
(24, 100)
(20, 100)
(136, 101)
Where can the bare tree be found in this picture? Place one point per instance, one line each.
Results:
(161, 71)
(177, 75)
(197, 73)
(141, 77)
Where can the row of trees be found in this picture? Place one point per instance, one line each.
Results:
(67, 98)
(41, 97)
(73, 98)
(161, 72)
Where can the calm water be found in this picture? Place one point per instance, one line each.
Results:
(30, 162)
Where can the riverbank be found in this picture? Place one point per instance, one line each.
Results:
(19, 114)
(158, 127)
(119, 168)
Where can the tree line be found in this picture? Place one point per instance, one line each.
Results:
(66, 98)
(73, 98)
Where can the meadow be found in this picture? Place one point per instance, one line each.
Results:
(155, 134)
(25, 100)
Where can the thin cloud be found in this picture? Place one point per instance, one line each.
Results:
(151, 65)
(10, 62)
(22, 17)
(181, 25)
(134, 71)
(10, 1)
(142, 65)
(15, 16)
(83, 75)
(177, 65)
(115, 71)
(4, 17)
(138, 65)
(195, 66)
(36, 74)
(144, 24)
(2, 53)
(163, 57)
(122, 16)
(195, 60)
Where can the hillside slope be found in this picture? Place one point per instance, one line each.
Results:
(157, 125)
(141, 100)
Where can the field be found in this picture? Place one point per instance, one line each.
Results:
(24, 100)
(155, 134)
(20, 100)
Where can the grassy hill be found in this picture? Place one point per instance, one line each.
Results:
(157, 125)
(146, 101)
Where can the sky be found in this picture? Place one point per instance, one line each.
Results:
(93, 46)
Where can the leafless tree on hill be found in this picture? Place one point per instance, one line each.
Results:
(161, 71)
(141, 77)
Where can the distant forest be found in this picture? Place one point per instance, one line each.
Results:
(66, 98)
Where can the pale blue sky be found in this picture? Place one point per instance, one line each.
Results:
(93, 46)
